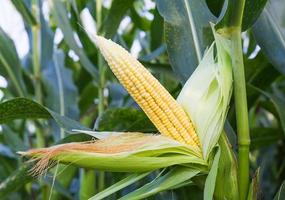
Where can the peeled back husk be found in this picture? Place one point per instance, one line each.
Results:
(127, 152)
(206, 94)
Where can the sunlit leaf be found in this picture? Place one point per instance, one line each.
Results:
(10, 63)
(61, 16)
(25, 12)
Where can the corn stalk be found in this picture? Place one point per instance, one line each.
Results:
(232, 30)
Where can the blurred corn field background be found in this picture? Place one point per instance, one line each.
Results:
(47, 57)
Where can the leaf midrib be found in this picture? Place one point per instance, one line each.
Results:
(193, 30)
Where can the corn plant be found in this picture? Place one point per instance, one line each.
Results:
(144, 100)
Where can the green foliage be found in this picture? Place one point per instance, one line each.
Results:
(186, 21)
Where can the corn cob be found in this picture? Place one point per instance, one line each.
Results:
(161, 108)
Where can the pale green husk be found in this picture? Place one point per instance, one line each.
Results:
(206, 95)
(156, 152)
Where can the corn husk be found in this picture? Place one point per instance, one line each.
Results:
(206, 95)
(128, 152)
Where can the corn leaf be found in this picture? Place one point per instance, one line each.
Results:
(174, 177)
(278, 101)
(22, 108)
(281, 193)
(61, 17)
(262, 137)
(125, 119)
(210, 183)
(269, 32)
(252, 10)
(25, 12)
(120, 185)
(61, 90)
(10, 64)
(15, 181)
(116, 13)
(187, 33)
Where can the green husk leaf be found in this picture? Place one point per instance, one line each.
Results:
(136, 152)
(211, 178)
(206, 94)
(227, 168)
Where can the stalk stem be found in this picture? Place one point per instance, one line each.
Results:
(241, 115)
(36, 68)
(232, 29)
(35, 55)
(101, 107)
(235, 25)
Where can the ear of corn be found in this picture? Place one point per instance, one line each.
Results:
(161, 108)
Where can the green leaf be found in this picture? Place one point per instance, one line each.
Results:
(130, 179)
(125, 119)
(61, 90)
(5, 151)
(64, 176)
(269, 32)
(115, 15)
(227, 168)
(57, 187)
(22, 108)
(87, 189)
(10, 64)
(156, 34)
(60, 15)
(263, 137)
(252, 10)
(210, 183)
(215, 6)
(281, 193)
(141, 22)
(12, 139)
(161, 183)
(153, 55)
(25, 12)
(15, 181)
(187, 33)
(279, 104)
